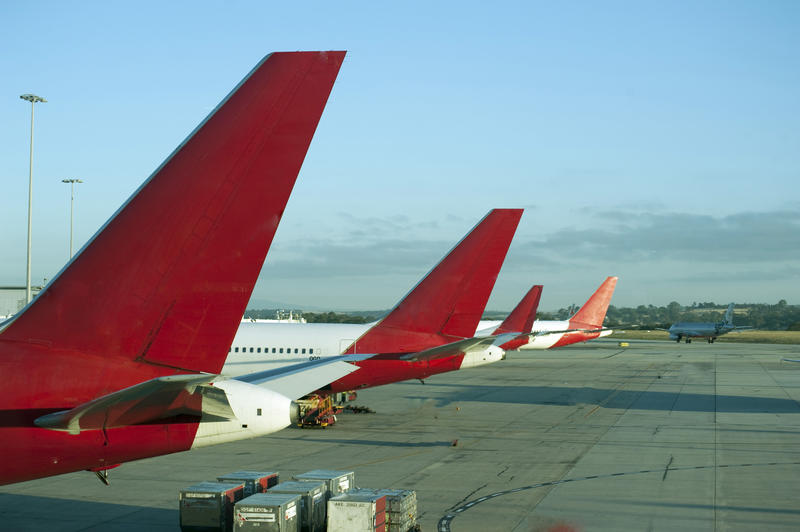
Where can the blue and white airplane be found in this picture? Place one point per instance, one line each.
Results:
(708, 330)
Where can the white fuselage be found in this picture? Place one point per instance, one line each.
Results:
(487, 327)
(264, 345)
(259, 345)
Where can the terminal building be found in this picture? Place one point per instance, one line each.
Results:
(12, 299)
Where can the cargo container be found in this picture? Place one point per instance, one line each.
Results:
(338, 482)
(357, 512)
(268, 512)
(208, 506)
(313, 502)
(401, 509)
(254, 481)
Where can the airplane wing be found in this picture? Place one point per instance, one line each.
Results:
(564, 331)
(194, 394)
(297, 380)
(460, 346)
(149, 401)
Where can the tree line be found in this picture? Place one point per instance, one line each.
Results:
(775, 317)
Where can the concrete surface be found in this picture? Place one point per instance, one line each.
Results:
(655, 436)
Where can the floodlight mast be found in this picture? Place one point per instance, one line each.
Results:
(33, 99)
(71, 207)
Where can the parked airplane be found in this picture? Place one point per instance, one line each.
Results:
(519, 321)
(709, 330)
(586, 324)
(258, 345)
(444, 307)
(118, 357)
(387, 365)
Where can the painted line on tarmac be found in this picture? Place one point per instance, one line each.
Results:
(444, 522)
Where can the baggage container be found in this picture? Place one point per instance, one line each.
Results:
(313, 503)
(401, 509)
(254, 481)
(359, 511)
(268, 512)
(208, 506)
(338, 482)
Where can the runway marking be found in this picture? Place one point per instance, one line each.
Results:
(444, 522)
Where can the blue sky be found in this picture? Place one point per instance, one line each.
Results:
(657, 141)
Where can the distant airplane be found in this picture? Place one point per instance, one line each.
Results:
(586, 324)
(709, 331)
(118, 358)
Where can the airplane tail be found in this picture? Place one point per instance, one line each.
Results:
(524, 314)
(447, 304)
(168, 277)
(592, 314)
(728, 316)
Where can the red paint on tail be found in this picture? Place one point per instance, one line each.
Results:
(592, 314)
(524, 314)
(161, 288)
(521, 319)
(169, 276)
(448, 303)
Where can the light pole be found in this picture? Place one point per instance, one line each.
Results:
(33, 99)
(71, 206)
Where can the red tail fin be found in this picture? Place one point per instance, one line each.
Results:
(592, 314)
(448, 303)
(168, 277)
(522, 317)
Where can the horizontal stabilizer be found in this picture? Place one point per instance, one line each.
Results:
(460, 347)
(566, 331)
(149, 401)
(301, 379)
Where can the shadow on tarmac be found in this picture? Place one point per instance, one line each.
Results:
(614, 398)
(385, 443)
(33, 513)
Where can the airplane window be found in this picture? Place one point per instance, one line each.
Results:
(288, 350)
(304, 350)
(258, 350)
(311, 351)
(273, 349)
(251, 349)
(295, 350)
(235, 349)
(281, 350)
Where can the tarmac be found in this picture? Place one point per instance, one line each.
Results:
(655, 436)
